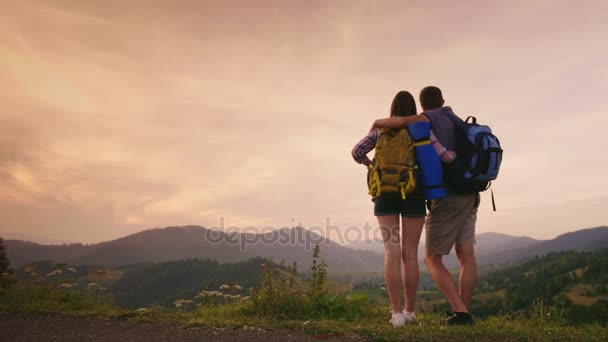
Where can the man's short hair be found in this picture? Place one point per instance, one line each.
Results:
(431, 98)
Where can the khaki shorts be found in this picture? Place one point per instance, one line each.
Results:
(451, 221)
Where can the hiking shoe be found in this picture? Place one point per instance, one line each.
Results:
(410, 317)
(398, 320)
(460, 318)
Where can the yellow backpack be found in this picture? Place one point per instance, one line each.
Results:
(394, 166)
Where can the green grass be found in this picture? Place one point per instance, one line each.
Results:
(373, 324)
(373, 293)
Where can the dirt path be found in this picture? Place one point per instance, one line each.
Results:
(58, 328)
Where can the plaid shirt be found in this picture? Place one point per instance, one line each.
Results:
(368, 143)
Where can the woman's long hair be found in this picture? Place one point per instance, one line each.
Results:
(403, 104)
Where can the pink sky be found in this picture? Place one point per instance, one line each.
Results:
(122, 116)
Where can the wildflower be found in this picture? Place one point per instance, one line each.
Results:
(224, 287)
(238, 287)
(72, 269)
(65, 286)
(245, 298)
(93, 285)
(263, 266)
(180, 302)
(53, 273)
(143, 310)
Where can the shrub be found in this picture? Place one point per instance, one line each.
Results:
(7, 275)
(285, 293)
(31, 297)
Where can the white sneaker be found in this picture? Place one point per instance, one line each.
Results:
(398, 320)
(410, 317)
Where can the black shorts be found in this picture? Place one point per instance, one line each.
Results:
(391, 203)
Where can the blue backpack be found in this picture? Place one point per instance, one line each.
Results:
(478, 157)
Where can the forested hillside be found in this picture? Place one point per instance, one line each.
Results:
(148, 284)
(294, 244)
(164, 283)
(190, 242)
(573, 284)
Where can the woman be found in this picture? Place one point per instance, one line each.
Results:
(387, 208)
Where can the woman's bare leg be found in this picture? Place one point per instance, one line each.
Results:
(412, 229)
(389, 226)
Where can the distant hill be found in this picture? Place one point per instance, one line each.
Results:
(30, 237)
(367, 245)
(487, 244)
(585, 239)
(179, 243)
(24, 252)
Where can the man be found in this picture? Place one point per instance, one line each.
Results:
(451, 221)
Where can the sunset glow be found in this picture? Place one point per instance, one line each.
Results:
(119, 116)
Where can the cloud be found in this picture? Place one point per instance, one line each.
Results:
(124, 116)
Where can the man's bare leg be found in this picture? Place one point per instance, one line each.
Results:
(468, 271)
(445, 282)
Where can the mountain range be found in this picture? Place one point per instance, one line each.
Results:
(292, 245)
(500, 249)
(486, 243)
(178, 243)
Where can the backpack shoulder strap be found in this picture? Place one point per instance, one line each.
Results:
(458, 123)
